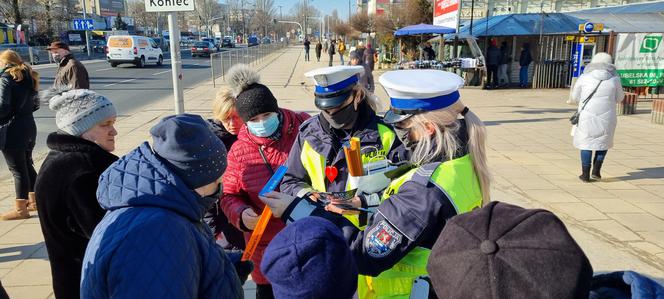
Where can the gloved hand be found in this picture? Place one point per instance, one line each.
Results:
(243, 268)
(278, 202)
(373, 183)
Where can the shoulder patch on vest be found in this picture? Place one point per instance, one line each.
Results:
(382, 239)
(424, 173)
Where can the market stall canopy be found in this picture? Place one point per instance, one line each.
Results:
(423, 29)
(524, 24)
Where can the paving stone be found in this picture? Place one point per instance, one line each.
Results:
(580, 211)
(11, 255)
(612, 205)
(640, 222)
(656, 209)
(29, 292)
(552, 196)
(30, 273)
(635, 196)
(25, 233)
(614, 229)
(656, 237)
(648, 247)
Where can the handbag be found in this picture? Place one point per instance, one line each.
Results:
(574, 119)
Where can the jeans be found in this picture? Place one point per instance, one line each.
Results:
(587, 156)
(306, 55)
(331, 59)
(523, 76)
(503, 78)
(492, 75)
(341, 57)
(22, 168)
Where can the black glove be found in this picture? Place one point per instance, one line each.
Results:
(243, 268)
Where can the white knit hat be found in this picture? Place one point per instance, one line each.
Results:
(78, 110)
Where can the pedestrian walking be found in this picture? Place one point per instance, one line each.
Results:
(505, 59)
(360, 51)
(310, 259)
(263, 145)
(71, 72)
(152, 241)
(597, 91)
(19, 85)
(341, 50)
(226, 124)
(369, 61)
(356, 60)
(319, 50)
(447, 176)
(307, 45)
(325, 45)
(66, 185)
(525, 58)
(504, 254)
(493, 58)
(347, 110)
(331, 52)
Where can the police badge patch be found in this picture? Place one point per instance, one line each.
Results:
(381, 240)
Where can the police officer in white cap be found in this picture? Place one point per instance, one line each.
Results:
(316, 162)
(447, 176)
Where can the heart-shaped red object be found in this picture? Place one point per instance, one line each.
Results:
(331, 173)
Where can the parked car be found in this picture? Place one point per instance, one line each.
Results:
(203, 49)
(227, 42)
(134, 49)
(212, 41)
(22, 49)
(266, 41)
(252, 41)
(97, 46)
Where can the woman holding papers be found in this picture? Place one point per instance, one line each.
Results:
(448, 176)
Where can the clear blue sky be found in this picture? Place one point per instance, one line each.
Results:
(324, 6)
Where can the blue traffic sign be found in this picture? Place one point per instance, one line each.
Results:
(84, 24)
(588, 27)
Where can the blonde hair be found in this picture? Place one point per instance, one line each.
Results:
(444, 143)
(223, 105)
(16, 68)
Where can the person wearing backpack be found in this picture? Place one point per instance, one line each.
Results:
(597, 91)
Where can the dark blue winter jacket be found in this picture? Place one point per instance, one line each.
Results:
(152, 242)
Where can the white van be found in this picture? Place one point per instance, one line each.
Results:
(134, 49)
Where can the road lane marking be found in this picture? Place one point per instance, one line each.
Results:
(159, 73)
(106, 69)
(123, 81)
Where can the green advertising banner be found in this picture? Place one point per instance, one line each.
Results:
(640, 59)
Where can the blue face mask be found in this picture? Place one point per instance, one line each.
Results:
(265, 127)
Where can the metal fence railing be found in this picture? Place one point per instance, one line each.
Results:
(221, 62)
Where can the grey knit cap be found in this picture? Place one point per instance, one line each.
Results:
(78, 110)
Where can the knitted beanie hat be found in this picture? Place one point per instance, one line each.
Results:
(191, 150)
(78, 110)
(310, 259)
(252, 97)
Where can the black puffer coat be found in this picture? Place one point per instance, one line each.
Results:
(16, 107)
(66, 190)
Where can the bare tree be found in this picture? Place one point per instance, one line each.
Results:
(362, 22)
(263, 19)
(301, 11)
(342, 28)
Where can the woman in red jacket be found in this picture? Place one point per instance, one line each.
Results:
(263, 145)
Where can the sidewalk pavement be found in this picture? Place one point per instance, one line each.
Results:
(618, 222)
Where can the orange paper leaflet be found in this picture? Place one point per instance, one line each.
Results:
(265, 215)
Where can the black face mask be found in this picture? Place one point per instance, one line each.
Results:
(404, 137)
(342, 118)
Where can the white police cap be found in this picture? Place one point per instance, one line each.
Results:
(417, 91)
(333, 84)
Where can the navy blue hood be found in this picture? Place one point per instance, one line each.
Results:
(142, 179)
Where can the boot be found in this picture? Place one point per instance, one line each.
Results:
(597, 167)
(32, 202)
(20, 211)
(585, 174)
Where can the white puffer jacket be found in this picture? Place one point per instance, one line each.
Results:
(597, 122)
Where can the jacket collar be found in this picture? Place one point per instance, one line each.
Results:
(66, 59)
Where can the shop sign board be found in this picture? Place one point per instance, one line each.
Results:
(640, 59)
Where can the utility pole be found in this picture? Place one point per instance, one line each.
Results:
(348, 11)
(87, 33)
(305, 19)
